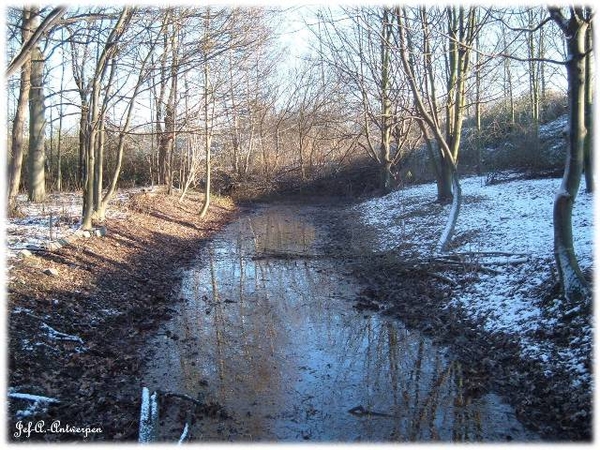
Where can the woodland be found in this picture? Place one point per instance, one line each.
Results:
(222, 107)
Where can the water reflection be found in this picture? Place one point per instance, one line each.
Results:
(283, 350)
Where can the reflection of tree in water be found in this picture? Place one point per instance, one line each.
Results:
(279, 231)
(287, 360)
(243, 326)
(403, 375)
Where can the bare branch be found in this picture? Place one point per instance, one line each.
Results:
(20, 59)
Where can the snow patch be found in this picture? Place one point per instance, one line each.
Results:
(512, 218)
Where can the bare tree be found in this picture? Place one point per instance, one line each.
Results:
(359, 47)
(17, 147)
(32, 40)
(461, 32)
(96, 113)
(575, 28)
(141, 63)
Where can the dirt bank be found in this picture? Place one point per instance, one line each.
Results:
(78, 336)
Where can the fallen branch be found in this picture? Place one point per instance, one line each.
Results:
(197, 402)
(361, 411)
(184, 434)
(491, 253)
(39, 404)
(32, 397)
(448, 280)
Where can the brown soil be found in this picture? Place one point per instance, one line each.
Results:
(112, 292)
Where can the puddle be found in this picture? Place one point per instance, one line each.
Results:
(267, 330)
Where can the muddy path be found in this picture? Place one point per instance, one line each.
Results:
(270, 344)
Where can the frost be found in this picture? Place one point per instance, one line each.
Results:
(184, 434)
(39, 403)
(32, 397)
(513, 217)
(59, 336)
(57, 218)
(148, 416)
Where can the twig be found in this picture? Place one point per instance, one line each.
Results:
(450, 281)
(184, 434)
(58, 335)
(182, 396)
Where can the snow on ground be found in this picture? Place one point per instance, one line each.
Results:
(513, 218)
(56, 218)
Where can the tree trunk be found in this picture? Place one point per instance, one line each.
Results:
(588, 146)
(161, 135)
(88, 186)
(453, 216)
(207, 141)
(17, 148)
(170, 116)
(98, 168)
(574, 285)
(508, 87)
(37, 129)
(386, 104)
(444, 181)
(60, 124)
(206, 203)
(84, 131)
(386, 176)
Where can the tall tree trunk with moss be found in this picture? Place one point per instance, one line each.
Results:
(37, 129)
(574, 285)
(17, 145)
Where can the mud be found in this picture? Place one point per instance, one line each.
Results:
(277, 341)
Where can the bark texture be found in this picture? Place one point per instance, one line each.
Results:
(37, 128)
(573, 282)
(17, 145)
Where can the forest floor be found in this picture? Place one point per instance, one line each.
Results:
(494, 297)
(78, 335)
